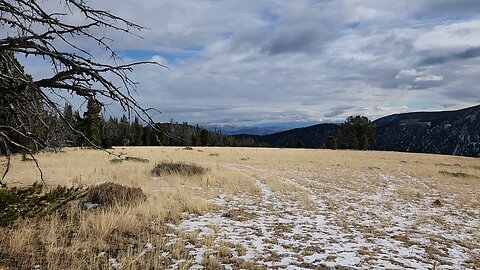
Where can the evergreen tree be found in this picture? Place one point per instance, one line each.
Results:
(300, 144)
(92, 120)
(357, 133)
(331, 142)
(204, 137)
(194, 140)
(69, 124)
(136, 132)
(124, 127)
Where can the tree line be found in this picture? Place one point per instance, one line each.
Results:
(92, 128)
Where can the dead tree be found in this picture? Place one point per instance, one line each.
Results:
(30, 29)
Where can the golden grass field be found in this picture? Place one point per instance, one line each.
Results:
(256, 208)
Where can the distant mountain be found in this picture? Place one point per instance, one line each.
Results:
(445, 132)
(313, 136)
(260, 129)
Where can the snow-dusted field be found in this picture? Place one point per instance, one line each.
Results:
(335, 226)
(257, 208)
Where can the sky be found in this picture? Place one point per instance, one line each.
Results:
(247, 62)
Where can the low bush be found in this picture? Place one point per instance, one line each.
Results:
(182, 168)
(32, 201)
(109, 194)
(457, 174)
(132, 159)
(137, 159)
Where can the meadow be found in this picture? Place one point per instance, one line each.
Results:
(254, 208)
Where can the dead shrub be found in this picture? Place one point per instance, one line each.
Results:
(188, 148)
(214, 155)
(108, 194)
(182, 168)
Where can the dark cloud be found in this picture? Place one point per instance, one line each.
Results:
(469, 53)
(337, 111)
(293, 42)
(449, 7)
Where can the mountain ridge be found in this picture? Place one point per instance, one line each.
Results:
(455, 132)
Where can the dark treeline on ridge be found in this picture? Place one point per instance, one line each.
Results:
(94, 128)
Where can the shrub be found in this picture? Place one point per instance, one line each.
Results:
(167, 168)
(133, 159)
(108, 194)
(457, 174)
(32, 201)
(331, 142)
(136, 159)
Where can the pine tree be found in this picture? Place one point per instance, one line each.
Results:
(204, 137)
(91, 121)
(357, 133)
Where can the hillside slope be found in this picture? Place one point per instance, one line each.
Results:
(447, 132)
(313, 136)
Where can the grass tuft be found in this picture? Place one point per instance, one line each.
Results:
(181, 168)
(108, 194)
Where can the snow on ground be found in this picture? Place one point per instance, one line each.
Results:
(345, 228)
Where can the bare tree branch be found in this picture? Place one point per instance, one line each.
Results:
(32, 31)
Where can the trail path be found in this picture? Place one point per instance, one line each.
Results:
(334, 227)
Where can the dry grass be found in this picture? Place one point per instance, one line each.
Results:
(83, 239)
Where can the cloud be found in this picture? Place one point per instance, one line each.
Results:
(253, 61)
(469, 53)
(448, 7)
(429, 78)
(338, 111)
(407, 73)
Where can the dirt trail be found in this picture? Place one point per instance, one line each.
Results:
(338, 229)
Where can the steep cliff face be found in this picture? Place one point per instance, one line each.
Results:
(449, 132)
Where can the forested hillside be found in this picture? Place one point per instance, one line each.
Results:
(446, 132)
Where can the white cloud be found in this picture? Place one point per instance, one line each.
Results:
(429, 78)
(405, 73)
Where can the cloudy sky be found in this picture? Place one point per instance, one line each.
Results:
(249, 61)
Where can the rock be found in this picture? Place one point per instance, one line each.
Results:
(437, 203)
(90, 205)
